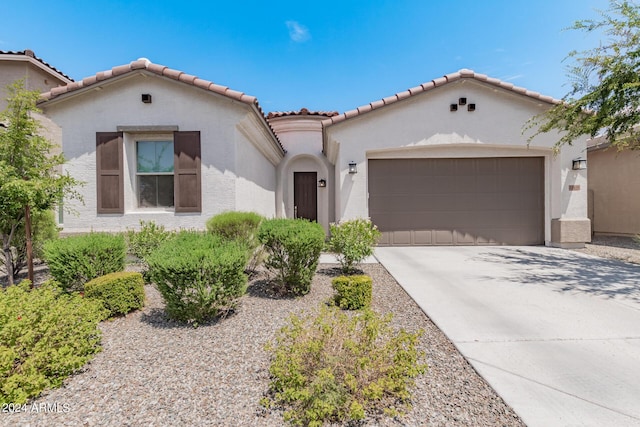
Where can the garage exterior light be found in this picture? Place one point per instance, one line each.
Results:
(353, 167)
(579, 164)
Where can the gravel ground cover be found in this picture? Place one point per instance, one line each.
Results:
(156, 372)
(614, 247)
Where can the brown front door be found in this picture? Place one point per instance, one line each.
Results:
(305, 195)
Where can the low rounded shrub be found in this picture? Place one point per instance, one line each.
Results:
(200, 276)
(75, 260)
(119, 292)
(293, 247)
(235, 225)
(337, 367)
(140, 243)
(242, 227)
(352, 241)
(353, 292)
(45, 335)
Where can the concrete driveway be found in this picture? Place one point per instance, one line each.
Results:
(556, 333)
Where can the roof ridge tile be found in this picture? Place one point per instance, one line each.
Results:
(161, 70)
(447, 78)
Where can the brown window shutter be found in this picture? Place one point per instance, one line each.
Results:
(187, 187)
(110, 176)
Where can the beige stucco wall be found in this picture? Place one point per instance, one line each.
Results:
(227, 156)
(15, 67)
(256, 182)
(614, 178)
(423, 126)
(302, 137)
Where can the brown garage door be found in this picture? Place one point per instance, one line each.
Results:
(481, 201)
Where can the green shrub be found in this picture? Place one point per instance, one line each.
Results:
(43, 227)
(352, 241)
(235, 225)
(335, 367)
(119, 292)
(140, 243)
(200, 276)
(353, 292)
(75, 260)
(293, 247)
(242, 227)
(45, 335)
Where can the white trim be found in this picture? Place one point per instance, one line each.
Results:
(255, 131)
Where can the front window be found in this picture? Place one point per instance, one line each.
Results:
(154, 170)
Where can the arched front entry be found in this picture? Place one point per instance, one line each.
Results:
(306, 189)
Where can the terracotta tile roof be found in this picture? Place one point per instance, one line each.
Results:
(448, 78)
(29, 53)
(301, 112)
(161, 70)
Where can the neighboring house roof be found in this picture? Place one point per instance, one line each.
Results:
(448, 78)
(144, 64)
(301, 112)
(29, 55)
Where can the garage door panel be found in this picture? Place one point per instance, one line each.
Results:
(464, 237)
(458, 201)
(508, 166)
(422, 237)
(486, 183)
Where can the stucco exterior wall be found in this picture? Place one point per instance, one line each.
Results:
(424, 126)
(614, 178)
(256, 179)
(118, 103)
(19, 67)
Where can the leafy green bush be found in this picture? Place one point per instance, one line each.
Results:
(75, 260)
(352, 241)
(242, 227)
(335, 367)
(140, 243)
(200, 276)
(235, 225)
(119, 292)
(353, 292)
(43, 227)
(45, 335)
(293, 247)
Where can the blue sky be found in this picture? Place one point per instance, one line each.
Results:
(318, 55)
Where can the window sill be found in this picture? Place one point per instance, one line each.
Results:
(151, 211)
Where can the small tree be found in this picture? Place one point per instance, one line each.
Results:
(605, 95)
(30, 179)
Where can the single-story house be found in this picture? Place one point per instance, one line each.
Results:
(444, 163)
(614, 184)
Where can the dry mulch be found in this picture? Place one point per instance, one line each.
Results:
(153, 371)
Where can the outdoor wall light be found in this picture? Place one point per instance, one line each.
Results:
(353, 167)
(146, 98)
(322, 183)
(579, 164)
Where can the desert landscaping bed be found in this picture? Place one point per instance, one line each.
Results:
(156, 372)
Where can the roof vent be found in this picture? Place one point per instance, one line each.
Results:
(146, 98)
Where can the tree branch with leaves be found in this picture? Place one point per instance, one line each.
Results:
(30, 175)
(605, 94)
